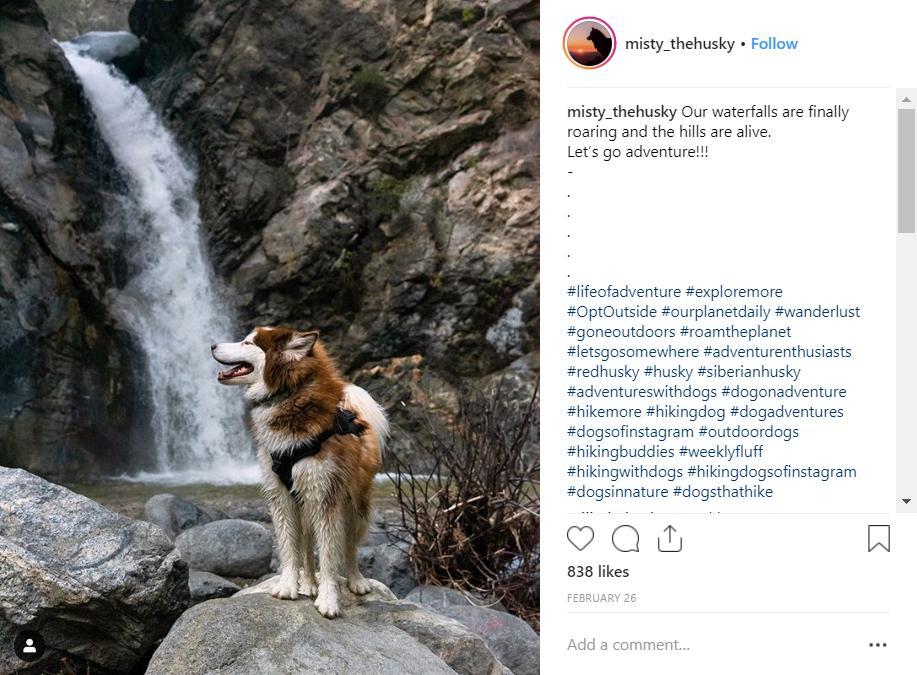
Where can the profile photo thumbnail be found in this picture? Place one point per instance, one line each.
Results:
(589, 42)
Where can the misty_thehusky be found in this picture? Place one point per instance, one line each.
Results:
(319, 441)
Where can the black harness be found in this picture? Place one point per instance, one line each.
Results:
(344, 424)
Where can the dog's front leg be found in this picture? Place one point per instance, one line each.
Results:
(307, 582)
(329, 532)
(285, 514)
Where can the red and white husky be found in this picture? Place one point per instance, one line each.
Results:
(302, 407)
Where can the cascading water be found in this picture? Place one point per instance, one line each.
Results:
(170, 302)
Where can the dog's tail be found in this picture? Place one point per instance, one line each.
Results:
(359, 401)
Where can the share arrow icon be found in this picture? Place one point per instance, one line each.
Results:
(672, 544)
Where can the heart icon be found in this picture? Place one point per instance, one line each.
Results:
(580, 537)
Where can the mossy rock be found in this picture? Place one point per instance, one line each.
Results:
(384, 193)
(370, 90)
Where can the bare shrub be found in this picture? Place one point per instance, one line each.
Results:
(473, 522)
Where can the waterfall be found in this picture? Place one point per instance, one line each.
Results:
(170, 302)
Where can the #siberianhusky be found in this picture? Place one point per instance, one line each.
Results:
(320, 443)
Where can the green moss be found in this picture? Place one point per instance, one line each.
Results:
(469, 15)
(383, 195)
(370, 90)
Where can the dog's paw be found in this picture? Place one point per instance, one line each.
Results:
(285, 589)
(359, 585)
(307, 585)
(327, 604)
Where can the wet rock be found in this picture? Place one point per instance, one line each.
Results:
(118, 48)
(71, 396)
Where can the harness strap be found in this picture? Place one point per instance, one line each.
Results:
(282, 464)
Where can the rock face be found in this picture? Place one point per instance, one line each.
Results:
(99, 587)
(369, 169)
(69, 18)
(235, 548)
(119, 48)
(253, 633)
(108, 47)
(366, 168)
(71, 391)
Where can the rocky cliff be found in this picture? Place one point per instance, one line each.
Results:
(69, 18)
(369, 169)
(70, 390)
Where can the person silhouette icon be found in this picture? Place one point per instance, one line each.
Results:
(29, 645)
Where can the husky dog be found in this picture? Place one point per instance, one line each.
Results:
(601, 42)
(320, 442)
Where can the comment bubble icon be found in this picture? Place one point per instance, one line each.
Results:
(626, 539)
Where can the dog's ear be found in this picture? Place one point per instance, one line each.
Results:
(300, 344)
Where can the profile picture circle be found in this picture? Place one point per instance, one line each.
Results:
(29, 645)
(589, 42)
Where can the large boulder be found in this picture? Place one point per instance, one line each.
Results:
(235, 548)
(101, 588)
(173, 514)
(509, 637)
(253, 633)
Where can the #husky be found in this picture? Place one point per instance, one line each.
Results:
(319, 443)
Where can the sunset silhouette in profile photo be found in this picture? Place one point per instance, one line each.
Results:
(589, 42)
